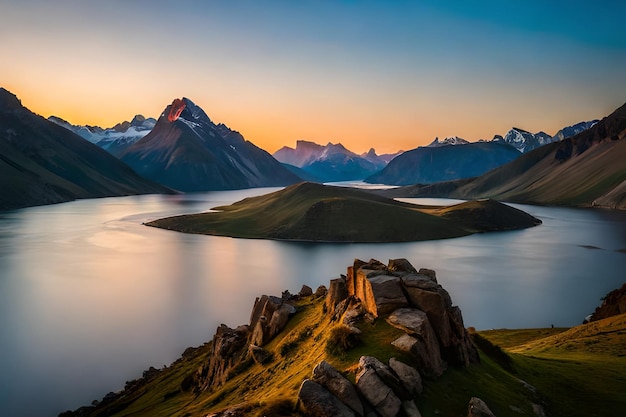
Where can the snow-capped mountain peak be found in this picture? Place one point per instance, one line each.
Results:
(454, 140)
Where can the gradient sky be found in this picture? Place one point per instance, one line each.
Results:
(385, 74)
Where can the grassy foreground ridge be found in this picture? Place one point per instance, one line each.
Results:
(315, 212)
(569, 372)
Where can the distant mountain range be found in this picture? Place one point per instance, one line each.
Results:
(587, 169)
(332, 162)
(521, 139)
(43, 163)
(188, 152)
(430, 164)
(114, 139)
(456, 158)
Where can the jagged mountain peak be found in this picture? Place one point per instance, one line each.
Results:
(8, 100)
(452, 140)
(188, 152)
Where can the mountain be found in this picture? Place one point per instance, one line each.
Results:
(455, 140)
(382, 159)
(315, 212)
(114, 139)
(569, 131)
(186, 151)
(425, 165)
(43, 163)
(525, 141)
(584, 170)
(332, 162)
(522, 140)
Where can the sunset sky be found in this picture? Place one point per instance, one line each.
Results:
(385, 74)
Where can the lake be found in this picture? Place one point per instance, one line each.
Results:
(89, 297)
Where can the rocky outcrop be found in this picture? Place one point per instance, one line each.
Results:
(269, 316)
(409, 296)
(478, 408)
(331, 379)
(420, 340)
(233, 347)
(380, 390)
(408, 375)
(614, 303)
(316, 401)
(337, 292)
(229, 349)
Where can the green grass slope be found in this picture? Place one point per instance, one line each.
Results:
(314, 212)
(578, 372)
(568, 372)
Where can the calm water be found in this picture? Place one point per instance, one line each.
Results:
(89, 297)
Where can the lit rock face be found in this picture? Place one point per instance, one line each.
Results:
(402, 294)
(175, 109)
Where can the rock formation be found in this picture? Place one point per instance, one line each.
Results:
(414, 302)
(408, 299)
(613, 304)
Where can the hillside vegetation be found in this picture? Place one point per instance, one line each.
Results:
(314, 212)
(577, 372)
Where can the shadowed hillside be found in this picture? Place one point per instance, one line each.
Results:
(43, 163)
(585, 170)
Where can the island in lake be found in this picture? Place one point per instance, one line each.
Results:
(315, 212)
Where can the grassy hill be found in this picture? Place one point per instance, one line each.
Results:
(569, 372)
(314, 212)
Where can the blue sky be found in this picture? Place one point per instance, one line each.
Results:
(389, 75)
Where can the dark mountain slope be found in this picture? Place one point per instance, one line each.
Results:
(586, 170)
(43, 163)
(426, 165)
(188, 152)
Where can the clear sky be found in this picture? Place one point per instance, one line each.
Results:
(385, 74)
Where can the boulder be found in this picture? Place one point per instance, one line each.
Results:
(264, 306)
(401, 265)
(337, 292)
(379, 293)
(230, 348)
(374, 389)
(331, 379)
(279, 320)
(478, 408)
(351, 275)
(321, 291)
(259, 355)
(420, 340)
(354, 313)
(408, 375)
(424, 293)
(429, 273)
(269, 316)
(305, 291)
(316, 401)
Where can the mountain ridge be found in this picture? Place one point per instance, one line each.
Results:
(43, 163)
(584, 170)
(186, 151)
